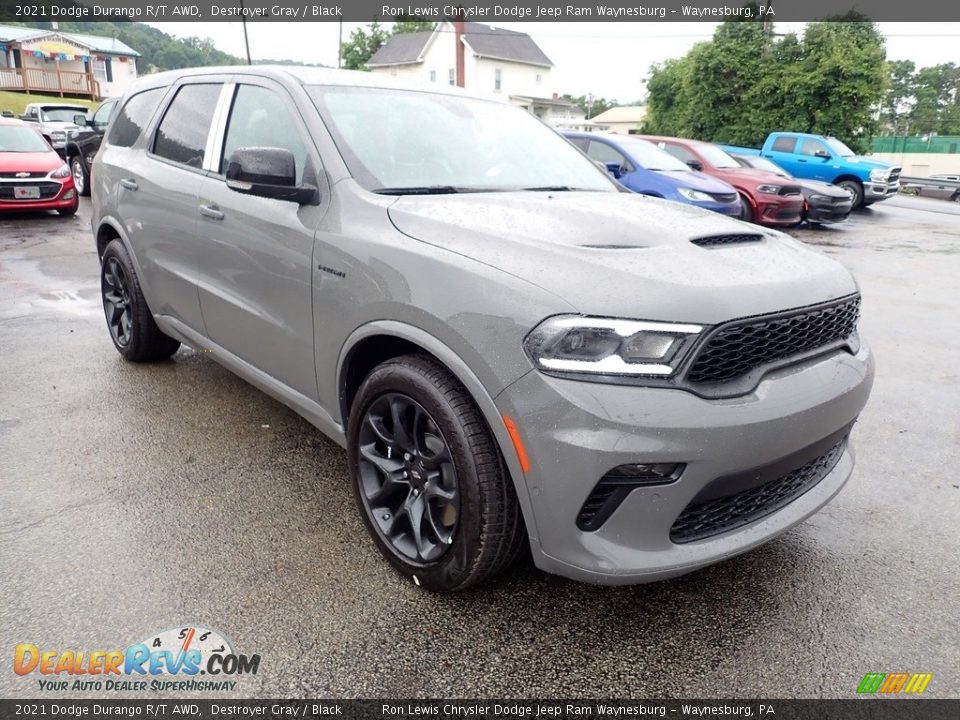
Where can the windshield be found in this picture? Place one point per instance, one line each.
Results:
(399, 141)
(717, 157)
(767, 165)
(61, 114)
(650, 157)
(21, 140)
(839, 148)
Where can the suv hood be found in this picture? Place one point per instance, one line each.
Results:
(695, 181)
(12, 162)
(868, 163)
(625, 255)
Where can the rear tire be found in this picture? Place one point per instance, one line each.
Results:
(855, 189)
(746, 209)
(435, 495)
(132, 328)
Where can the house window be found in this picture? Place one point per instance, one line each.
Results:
(539, 79)
(3, 59)
(497, 78)
(433, 76)
(99, 69)
(453, 76)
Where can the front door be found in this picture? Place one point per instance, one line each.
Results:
(257, 253)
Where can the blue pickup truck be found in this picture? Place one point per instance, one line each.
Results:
(817, 157)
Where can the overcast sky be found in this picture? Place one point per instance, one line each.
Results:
(607, 59)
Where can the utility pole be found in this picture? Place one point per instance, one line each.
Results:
(246, 39)
(340, 47)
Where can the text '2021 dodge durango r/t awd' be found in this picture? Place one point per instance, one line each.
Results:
(515, 352)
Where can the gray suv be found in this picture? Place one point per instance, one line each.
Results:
(514, 352)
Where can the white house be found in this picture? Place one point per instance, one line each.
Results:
(481, 58)
(625, 119)
(51, 62)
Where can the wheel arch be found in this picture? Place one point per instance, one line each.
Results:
(846, 176)
(381, 340)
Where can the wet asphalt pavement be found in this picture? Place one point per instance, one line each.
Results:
(135, 498)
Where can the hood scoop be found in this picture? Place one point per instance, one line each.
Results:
(723, 240)
(614, 247)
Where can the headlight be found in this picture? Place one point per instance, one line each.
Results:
(694, 195)
(608, 346)
(58, 135)
(768, 189)
(879, 175)
(61, 172)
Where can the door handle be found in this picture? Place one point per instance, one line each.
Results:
(129, 184)
(800, 160)
(211, 211)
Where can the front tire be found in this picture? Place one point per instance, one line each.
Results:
(746, 209)
(132, 328)
(429, 479)
(855, 189)
(81, 178)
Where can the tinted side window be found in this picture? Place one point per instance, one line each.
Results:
(784, 144)
(678, 152)
(102, 116)
(134, 116)
(260, 118)
(579, 142)
(605, 154)
(182, 134)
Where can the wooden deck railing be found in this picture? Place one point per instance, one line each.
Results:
(49, 82)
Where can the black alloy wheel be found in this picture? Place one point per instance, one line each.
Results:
(408, 479)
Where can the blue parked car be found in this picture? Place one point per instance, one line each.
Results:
(646, 169)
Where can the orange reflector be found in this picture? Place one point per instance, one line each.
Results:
(517, 443)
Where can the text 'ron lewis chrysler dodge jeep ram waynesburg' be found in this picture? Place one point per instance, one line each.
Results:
(514, 352)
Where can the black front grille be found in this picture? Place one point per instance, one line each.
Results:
(734, 239)
(736, 348)
(719, 515)
(724, 197)
(895, 174)
(47, 190)
(790, 190)
(17, 176)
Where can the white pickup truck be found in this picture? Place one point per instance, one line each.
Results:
(56, 121)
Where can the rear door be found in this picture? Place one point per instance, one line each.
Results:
(783, 152)
(257, 253)
(158, 184)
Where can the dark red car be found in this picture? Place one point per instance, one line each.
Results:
(32, 175)
(766, 198)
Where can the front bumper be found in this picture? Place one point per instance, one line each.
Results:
(731, 209)
(874, 192)
(65, 197)
(575, 432)
(778, 210)
(826, 212)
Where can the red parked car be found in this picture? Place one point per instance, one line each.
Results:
(766, 198)
(32, 174)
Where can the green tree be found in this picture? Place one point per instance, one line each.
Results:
(744, 83)
(361, 46)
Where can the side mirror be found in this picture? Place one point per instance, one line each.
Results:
(695, 165)
(823, 154)
(615, 169)
(80, 120)
(267, 172)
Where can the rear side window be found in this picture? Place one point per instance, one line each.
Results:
(133, 118)
(260, 118)
(182, 134)
(784, 144)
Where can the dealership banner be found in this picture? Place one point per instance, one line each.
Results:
(473, 10)
(107, 709)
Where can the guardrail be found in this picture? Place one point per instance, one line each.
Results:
(929, 182)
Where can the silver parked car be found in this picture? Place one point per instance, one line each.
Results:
(514, 352)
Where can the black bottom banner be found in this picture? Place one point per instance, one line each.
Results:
(867, 708)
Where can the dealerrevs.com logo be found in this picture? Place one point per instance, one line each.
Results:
(181, 659)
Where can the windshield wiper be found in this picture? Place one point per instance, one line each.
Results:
(429, 190)
(556, 188)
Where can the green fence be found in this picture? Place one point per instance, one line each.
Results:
(934, 144)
